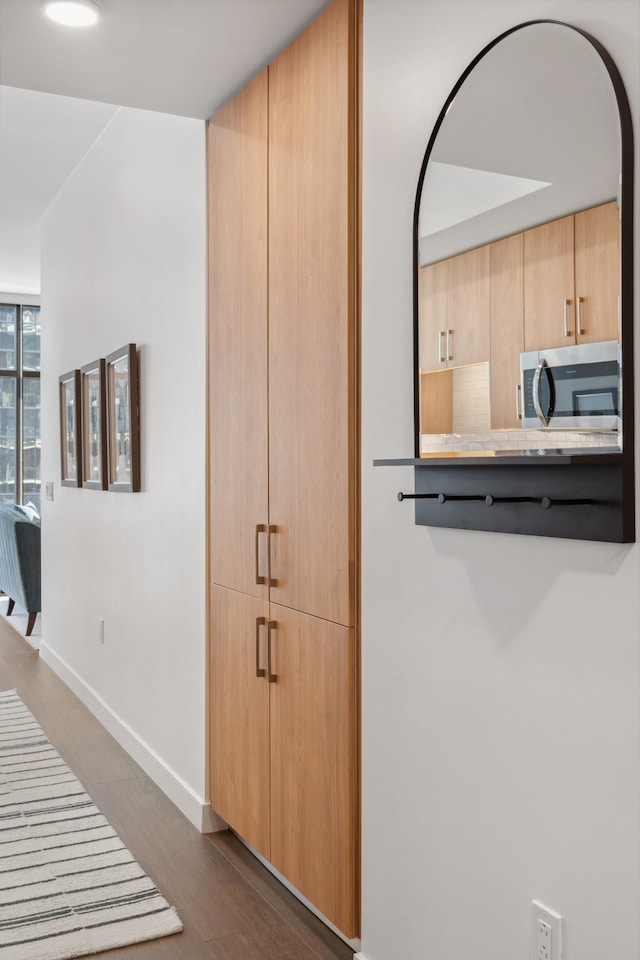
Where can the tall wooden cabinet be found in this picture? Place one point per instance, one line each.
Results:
(283, 312)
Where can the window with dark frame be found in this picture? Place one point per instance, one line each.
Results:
(20, 440)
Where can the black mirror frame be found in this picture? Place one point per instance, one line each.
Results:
(626, 206)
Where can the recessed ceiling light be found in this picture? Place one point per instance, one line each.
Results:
(73, 13)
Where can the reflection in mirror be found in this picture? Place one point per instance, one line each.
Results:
(518, 246)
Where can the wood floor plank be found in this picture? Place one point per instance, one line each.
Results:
(281, 943)
(316, 934)
(181, 946)
(190, 872)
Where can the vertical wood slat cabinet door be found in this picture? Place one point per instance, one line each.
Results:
(507, 331)
(548, 283)
(433, 314)
(597, 255)
(312, 297)
(313, 762)
(239, 735)
(469, 288)
(237, 178)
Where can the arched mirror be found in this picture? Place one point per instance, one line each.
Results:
(523, 295)
(522, 239)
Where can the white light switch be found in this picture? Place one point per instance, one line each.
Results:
(48, 489)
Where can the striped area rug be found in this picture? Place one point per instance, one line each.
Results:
(68, 885)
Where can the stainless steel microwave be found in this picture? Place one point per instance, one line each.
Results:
(577, 387)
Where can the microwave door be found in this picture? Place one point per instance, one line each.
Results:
(544, 398)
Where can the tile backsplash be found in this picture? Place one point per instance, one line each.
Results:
(516, 440)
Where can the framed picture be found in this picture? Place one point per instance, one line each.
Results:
(70, 448)
(94, 426)
(123, 447)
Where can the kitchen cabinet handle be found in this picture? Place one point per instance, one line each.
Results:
(518, 402)
(260, 528)
(543, 368)
(440, 353)
(271, 627)
(449, 342)
(260, 622)
(567, 304)
(272, 580)
(579, 314)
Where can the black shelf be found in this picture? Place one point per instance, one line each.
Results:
(568, 495)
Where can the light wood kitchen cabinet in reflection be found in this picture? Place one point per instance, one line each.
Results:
(433, 298)
(597, 273)
(507, 331)
(454, 311)
(571, 279)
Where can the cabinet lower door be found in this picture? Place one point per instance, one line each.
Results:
(239, 741)
(313, 761)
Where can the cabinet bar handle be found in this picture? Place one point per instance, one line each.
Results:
(449, 342)
(567, 304)
(260, 528)
(272, 580)
(271, 627)
(440, 353)
(518, 402)
(579, 314)
(260, 622)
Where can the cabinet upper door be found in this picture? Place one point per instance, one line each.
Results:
(237, 161)
(549, 303)
(433, 307)
(312, 315)
(597, 255)
(313, 767)
(507, 331)
(239, 715)
(468, 330)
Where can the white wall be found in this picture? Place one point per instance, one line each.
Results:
(20, 254)
(124, 260)
(501, 695)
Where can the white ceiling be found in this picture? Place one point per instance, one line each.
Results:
(60, 87)
(175, 56)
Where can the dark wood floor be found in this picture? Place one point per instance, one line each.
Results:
(232, 908)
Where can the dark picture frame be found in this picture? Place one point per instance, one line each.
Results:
(70, 418)
(94, 425)
(123, 431)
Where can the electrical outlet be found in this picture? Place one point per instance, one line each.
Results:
(543, 934)
(546, 933)
(100, 630)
